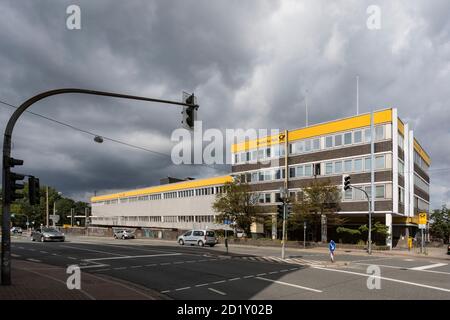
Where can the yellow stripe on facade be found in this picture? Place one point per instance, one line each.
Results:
(401, 127)
(422, 152)
(384, 116)
(166, 188)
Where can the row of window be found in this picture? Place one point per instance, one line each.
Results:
(420, 162)
(166, 195)
(358, 164)
(312, 145)
(418, 182)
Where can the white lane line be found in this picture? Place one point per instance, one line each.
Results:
(246, 277)
(292, 269)
(92, 250)
(185, 288)
(164, 264)
(94, 266)
(384, 278)
(134, 267)
(403, 268)
(217, 291)
(100, 270)
(273, 272)
(43, 251)
(178, 262)
(54, 254)
(221, 281)
(234, 279)
(261, 274)
(202, 285)
(72, 258)
(120, 268)
(284, 270)
(33, 260)
(135, 257)
(288, 284)
(15, 255)
(150, 265)
(165, 291)
(373, 259)
(430, 266)
(408, 259)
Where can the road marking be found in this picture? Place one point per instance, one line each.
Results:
(92, 250)
(100, 270)
(165, 291)
(284, 270)
(185, 288)
(408, 259)
(94, 266)
(202, 285)
(234, 279)
(133, 267)
(221, 281)
(403, 268)
(273, 272)
(178, 262)
(289, 284)
(430, 266)
(21, 247)
(43, 251)
(54, 254)
(190, 261)
(373, 259)
(150, 265)
(164, 264)
(15, 255)
(72, 258)
(121, 268)
(261, 274)
(33, 260)
(135, 257)
(387, 279)
(217, 291)
(292, 269)
(246, 277)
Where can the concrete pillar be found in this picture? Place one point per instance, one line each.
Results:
(388, 220)
(274, 227)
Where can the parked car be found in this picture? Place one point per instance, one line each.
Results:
(47, 234)
(198, 237)
(448, 249)
(124, 234)
(16, 230)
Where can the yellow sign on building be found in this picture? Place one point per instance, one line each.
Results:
(422, 218)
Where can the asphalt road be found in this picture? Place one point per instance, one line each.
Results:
(190, 272)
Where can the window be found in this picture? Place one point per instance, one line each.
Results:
(236, 158)
(379, 192)
(348, 138)
(268, 153)
(261, 154)
(367, 135)
(348, 195)
(261, 198)
(299, 171)
(357, 136)
(379, 133)
(277, 174)
(379, 162)
(368, 190)
(329, 142)
(359, 195)
(243, 156)
(277, 197)
(400, 140)
(401, 195)
(267, 198)
(316, 169)
(299, 147)
(308, 170)
(261, 176)
(337, 140)
(329, 168)
(307, 145)
(254, 176)
(291, 172)
(367, 165)
(338, 167)
(347, 165)
(282, 149)
(358, 165)
(316, 144)
(401, 168)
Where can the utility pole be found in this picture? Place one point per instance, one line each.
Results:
(46, 219)
(304, 235)
(71, 216)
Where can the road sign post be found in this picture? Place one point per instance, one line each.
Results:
(422, 226)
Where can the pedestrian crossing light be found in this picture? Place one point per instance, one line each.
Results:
(34, 190)
(346, 182)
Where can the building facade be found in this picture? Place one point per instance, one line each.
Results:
(294, 158)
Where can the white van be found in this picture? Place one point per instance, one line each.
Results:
(198, 237)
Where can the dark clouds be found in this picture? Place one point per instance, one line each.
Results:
(249, 62)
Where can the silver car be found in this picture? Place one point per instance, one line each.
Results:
(47, 234)
(198, 237)
(124, 234)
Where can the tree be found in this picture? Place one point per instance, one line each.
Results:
(238, 204)
(318, 205)
(440, 224)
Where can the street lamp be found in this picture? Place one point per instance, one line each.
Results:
(283, 196)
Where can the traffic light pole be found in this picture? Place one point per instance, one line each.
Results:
(283, 242)
(6, 218)
(369, 237)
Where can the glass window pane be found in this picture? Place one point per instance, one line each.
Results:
(267, 197)
(337, 140)
(357, 136)
(329, 142)
(379, 192)
(316, 144)
(308, 170)
(338, 167)
(291, 172)
(261, 154)
(243, 157)
(368, 190)
(379, 162)
(268, 152)
(254, 176)
(348, 138)
(348, 166)
(367, 165)
(299, 171)
(379, 133)
(307, 145)
(358, 165)
(282, 150)
(348, 194)
(261, 176)
(300, 147)
(328, 168)
(367, 135)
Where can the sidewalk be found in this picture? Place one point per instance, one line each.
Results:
(38, 281)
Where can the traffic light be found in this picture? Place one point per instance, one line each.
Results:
(288, 209)
(280, 210)
(34, 190)
(346, 182)
(189, 112)
(11, 179)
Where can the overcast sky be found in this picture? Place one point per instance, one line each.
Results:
(249, 63)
